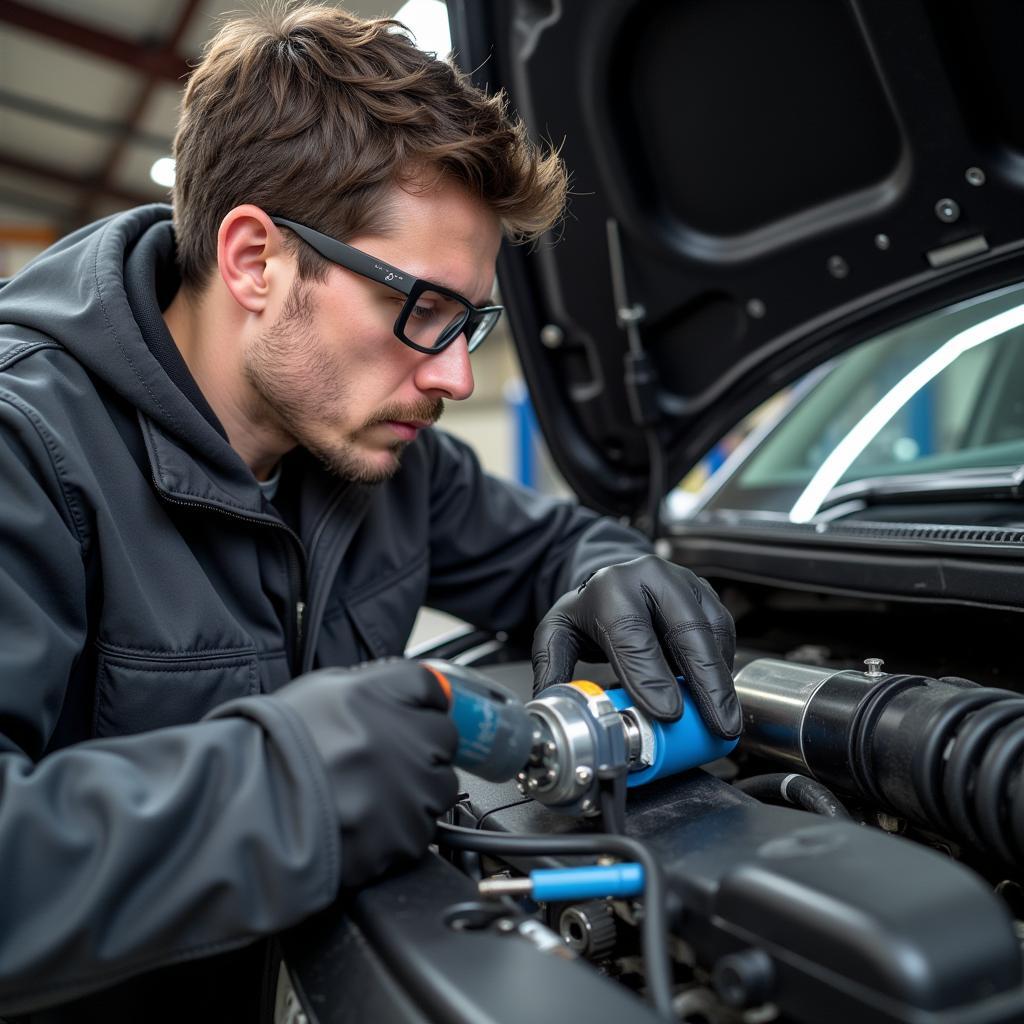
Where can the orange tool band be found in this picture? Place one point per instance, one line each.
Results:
(445, 685)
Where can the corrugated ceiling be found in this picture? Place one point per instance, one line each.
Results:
(89, 92)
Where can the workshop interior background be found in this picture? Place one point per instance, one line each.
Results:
(89, 95)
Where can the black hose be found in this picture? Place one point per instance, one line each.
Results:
(783, 788)
(944, 753)
(654, 932)
(613, 804)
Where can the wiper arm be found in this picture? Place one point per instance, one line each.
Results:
(1000, 482)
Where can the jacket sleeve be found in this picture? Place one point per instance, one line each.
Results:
(122, 855)
(501, 554)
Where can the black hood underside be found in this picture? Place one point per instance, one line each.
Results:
(786, 179)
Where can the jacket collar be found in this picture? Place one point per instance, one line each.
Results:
(184, 476)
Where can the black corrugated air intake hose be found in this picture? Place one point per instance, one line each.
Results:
(945, 753)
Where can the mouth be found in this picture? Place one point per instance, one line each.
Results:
(406, 430)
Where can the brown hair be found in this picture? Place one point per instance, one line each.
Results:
(313, 114)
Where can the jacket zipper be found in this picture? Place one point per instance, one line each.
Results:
(297, 568)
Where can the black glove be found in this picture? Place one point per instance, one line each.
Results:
(652, 621)
(385, 736)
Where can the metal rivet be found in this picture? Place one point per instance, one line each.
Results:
(551, 336)
(975, 176)
(756, 309)
(947, 210)
(838, 267)
(882, 241)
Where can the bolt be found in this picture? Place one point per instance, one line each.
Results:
(874, 667)
(882, 241)
(552, 336)
(584, 774)
(520, 776)
(521, 786)
(586, 806)
(552, 774)
(532, 784)
(550, 749)
(947, 210)
(889, 822)
(975, 176)
(505, 924)
(838, 267)
(756, 309)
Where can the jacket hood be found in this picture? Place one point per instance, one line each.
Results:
(75, 293)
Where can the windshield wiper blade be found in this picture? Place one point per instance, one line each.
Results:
(998, 482)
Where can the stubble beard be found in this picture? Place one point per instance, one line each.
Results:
(296, 384)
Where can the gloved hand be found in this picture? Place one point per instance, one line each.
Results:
(384, 734)
(652, 620)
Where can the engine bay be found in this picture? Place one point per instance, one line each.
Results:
(797, 881)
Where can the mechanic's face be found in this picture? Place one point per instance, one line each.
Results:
(330, 373)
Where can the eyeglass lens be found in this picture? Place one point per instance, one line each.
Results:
(433, 317)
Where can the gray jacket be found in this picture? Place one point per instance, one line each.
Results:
(144, 581)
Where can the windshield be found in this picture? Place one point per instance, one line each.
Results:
(943, 394)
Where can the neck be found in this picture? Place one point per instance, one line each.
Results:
(211, 343)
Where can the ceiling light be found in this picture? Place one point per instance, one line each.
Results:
(162, 172)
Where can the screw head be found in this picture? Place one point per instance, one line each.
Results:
(586, 806)
(756, 309)
(550, 749)
(505, 924)
(532, 784)
(975, 176)
(521, 786)
(838, 267)
(882, 241)
(947, 210)
(583, 774)
(551, 336)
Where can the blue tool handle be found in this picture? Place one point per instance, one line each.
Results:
(495, 731)
(586, 883)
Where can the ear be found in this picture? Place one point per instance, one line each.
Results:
(250, 257)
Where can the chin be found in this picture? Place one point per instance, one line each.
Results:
(361, 467)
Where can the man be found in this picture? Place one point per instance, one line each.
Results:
(218, 473)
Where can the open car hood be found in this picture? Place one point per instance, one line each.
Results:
(787, 179)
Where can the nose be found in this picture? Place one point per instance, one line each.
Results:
(448, 374)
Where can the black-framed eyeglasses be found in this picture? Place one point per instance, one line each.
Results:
(432, 316)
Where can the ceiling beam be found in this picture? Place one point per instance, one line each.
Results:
(133, 115)
(76, 119)
(158, 62)
(33, 169)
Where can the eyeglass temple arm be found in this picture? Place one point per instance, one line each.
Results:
(349, 257)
